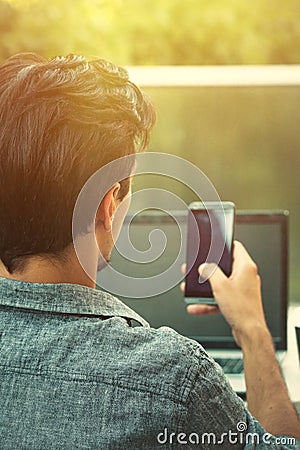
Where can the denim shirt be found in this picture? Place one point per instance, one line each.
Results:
(75, 374)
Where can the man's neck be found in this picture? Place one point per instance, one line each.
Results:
(44, 270)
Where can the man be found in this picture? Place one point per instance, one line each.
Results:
(74, 372)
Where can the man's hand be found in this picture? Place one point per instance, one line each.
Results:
(239, 300)
(238, 297)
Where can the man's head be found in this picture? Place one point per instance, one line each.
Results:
(60, 121)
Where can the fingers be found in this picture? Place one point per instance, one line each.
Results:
(240, 256)
(202, 310)
(239, 251)
(243, 265)
(215, 276)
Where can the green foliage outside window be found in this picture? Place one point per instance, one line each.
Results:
(154, 32)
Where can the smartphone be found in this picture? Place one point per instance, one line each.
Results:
(210, 237)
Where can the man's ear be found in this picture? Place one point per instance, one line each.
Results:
(107, 207)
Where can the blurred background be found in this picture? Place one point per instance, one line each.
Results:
(133, 32)
(245, 138)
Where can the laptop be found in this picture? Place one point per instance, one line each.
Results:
(265, 236)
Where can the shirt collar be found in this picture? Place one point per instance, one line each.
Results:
(64, 298)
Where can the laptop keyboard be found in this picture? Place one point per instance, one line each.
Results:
(231, 365)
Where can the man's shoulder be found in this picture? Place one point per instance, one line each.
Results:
(166, 344)
(158, 358)
(89, 349)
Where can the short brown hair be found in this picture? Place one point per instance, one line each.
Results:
(60, 121)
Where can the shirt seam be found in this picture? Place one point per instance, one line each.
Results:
(125, 383)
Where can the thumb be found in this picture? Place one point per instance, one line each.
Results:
(213, 273)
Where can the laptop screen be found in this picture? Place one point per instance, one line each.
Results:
(263, 233)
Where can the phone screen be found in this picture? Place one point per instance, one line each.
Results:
(210, 239)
